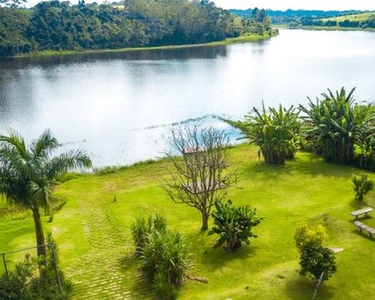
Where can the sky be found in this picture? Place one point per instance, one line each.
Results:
(277, 4)
(299, 4)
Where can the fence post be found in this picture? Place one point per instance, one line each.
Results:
(5, 264)
(56, 267)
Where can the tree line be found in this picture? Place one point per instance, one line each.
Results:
(367, 23)
(294, 17)
(56, 25)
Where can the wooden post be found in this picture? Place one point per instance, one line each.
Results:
(56, 267)
(5, 264)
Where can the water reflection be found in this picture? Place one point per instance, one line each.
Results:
(153, 55)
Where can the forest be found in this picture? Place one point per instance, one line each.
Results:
(58, 25)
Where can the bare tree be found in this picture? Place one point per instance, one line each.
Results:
(199, 178)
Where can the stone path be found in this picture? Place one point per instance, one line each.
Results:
(105, 271)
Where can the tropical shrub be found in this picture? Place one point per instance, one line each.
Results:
(275, 131)
(234, 225)
(335, 124)
(315, 257)
(141, 229)
(361, 186)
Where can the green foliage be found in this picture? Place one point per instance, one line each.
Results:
(336, 124)
(163, 289)
(233, 225)
(276, 132)
(164, 255)
(142, 228)
(57, 25)
(28, 173)
(361, 186)
(168, 253)
(317, 259)
(23, 284)
(306, 235)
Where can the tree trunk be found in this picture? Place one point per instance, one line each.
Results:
(205, 217)
(39, 232)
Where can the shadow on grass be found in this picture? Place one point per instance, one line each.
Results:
(139, 284)
(305, 163)
(218, 258)
(364, 234)
(302, 287)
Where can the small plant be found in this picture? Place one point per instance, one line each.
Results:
(361, 186)
(141, 228)
(315, 257)
(234, 225)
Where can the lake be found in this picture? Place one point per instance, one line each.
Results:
(120, 106)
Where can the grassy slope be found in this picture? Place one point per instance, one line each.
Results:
(305, 189)
(355, 17)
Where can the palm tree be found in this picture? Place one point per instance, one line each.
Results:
(275, 131)
(27, 173)
(336, 124)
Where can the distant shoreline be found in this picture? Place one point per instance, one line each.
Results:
(228, 41)
(327, 28)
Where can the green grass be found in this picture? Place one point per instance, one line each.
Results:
(354, 17)
(241, 39)
(305, 189)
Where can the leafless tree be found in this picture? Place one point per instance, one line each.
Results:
(200, 177)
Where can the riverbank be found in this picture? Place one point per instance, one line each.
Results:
(228, 41)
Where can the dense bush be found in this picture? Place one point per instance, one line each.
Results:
(23, 284)
(361, 186)
(233, 225)
(315, 257)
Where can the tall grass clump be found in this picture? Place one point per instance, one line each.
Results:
(164, 255)
(142, 227)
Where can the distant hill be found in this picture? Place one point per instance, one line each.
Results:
(294, 17)
(365, 20)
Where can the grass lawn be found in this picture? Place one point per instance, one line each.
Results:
(96, 250)
(353, 17)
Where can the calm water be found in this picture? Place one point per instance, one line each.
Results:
(120, 106)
